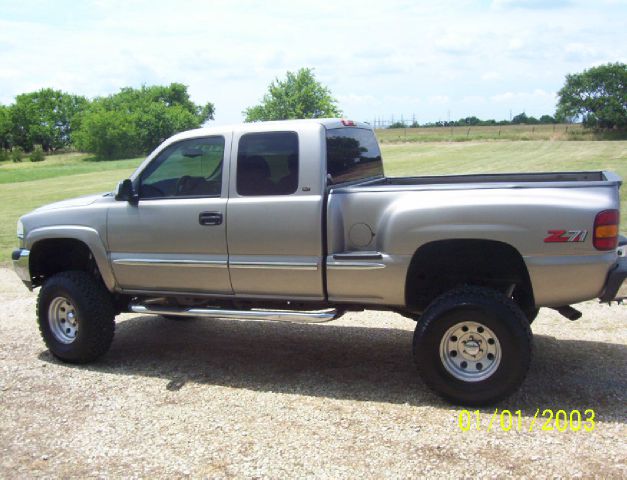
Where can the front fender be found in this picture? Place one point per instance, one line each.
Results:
(89, 236)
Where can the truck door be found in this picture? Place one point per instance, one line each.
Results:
(174, 239)
(275, 215)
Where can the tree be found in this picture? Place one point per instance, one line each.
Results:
(520, 118)
(598, 96)
(44, 117)
(5, 127)
(135, 121)
(300, 95)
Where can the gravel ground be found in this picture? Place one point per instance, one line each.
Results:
(210, 398)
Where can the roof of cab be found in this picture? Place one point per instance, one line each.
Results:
(269, 126)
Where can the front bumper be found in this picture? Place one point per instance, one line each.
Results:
(616, 284)
(20, 259)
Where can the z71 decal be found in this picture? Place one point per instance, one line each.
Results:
(560, 236)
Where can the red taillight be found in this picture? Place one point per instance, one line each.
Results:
(605, 235)
(348, 123)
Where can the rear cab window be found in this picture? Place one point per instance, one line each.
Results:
(267, 164)
(353, 155)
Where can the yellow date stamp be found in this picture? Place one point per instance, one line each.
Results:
(547, 420)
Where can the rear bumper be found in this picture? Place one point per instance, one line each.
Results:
(20, 259)
(616, 284)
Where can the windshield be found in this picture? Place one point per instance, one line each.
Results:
(352, 154)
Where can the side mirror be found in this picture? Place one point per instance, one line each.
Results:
(126, 193)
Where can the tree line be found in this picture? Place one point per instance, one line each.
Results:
(473, 121)
(134, 121)
(131, 122)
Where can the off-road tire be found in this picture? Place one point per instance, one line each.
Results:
(499, 314)
(95, 314)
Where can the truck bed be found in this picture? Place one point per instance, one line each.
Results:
(495, 180)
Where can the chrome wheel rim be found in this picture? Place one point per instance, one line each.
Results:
(63, 320)
(470, 351)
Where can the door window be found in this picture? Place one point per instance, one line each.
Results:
(267, 164)
(191, 168)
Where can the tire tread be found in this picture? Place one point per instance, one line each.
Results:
(97, 310)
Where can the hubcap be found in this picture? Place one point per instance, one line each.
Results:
(470, 351)
(63, 320)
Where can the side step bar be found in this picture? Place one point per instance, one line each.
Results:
(317, 316)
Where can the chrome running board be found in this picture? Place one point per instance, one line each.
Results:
(317, 316)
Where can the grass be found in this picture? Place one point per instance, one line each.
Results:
(26, 186)
(63, 165)
(504, 132)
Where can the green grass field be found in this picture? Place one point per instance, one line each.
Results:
(60, 166)
(28, 185)
(488, 133)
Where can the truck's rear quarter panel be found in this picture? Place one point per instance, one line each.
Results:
(406, 217)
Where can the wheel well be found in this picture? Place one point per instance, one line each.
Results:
(55, 255)
(437, 267)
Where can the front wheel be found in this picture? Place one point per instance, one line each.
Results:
(76, 317)
(473, 346)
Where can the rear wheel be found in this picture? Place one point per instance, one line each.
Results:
(473, 346)
(76, 316)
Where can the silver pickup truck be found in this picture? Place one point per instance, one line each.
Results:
(296, 221)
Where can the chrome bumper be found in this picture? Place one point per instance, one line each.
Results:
(616, 284)
(21, 266)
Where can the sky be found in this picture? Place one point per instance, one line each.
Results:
(381, 59)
